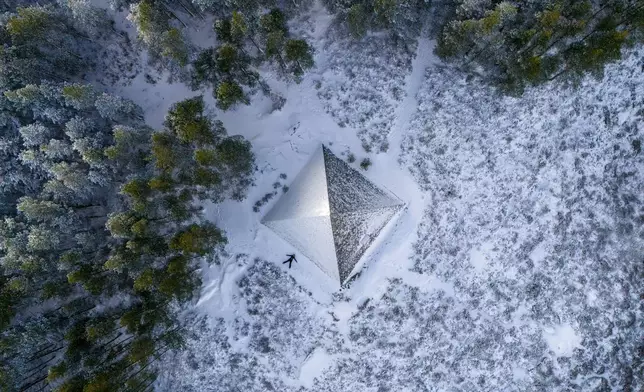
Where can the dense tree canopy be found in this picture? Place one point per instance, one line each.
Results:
(519, 45)
(41, 42)
(106, 213)
(101, 226)
(403, 18)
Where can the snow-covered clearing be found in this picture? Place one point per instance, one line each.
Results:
(516, 265)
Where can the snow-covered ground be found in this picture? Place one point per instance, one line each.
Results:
(516, 265)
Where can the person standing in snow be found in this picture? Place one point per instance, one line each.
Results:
(290, 260)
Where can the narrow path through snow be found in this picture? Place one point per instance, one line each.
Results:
(424, 58)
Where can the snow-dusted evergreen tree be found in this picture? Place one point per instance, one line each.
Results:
(116, 108)
(85, 16)
(298, 55)
(157, 29)
(34, 134)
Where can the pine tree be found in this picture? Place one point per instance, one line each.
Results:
(238, 28)
(197, 239)
(165, 43)
(299, 55)
(187, 120)
(229, 94)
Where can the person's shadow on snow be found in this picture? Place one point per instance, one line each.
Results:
(290, 260)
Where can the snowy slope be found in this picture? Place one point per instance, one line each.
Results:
(516, 265)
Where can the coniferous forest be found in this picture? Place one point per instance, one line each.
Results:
(103, 235)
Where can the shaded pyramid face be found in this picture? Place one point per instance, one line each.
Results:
(332, 214)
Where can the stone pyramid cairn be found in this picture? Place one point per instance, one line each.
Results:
(332, 214)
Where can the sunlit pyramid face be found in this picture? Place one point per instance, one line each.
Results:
(332, 214)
